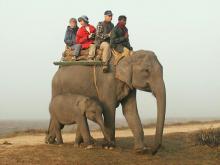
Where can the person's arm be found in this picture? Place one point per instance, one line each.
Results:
(92, 32)
(80, 39)
(100, 32)
(67, 40)
(116, 40)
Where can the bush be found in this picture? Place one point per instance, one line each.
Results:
(209, 137)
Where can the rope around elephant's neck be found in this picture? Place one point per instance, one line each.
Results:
(95, 81)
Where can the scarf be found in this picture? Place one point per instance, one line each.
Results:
(122, 27)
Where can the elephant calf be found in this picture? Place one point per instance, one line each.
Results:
(73, 109)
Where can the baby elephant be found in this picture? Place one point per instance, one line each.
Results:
(74, 109)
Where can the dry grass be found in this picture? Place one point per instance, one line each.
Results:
(25, 132)
(209, 137)
(178, 148)
(72, 129)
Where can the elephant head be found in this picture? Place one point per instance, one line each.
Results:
(93, 111)
(143, 71)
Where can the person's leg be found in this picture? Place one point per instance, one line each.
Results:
(126, 52)
(92, 50)
(106, 52)
(77, 48)
(117, 56)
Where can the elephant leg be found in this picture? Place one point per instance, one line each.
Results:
(84, 131)
(58, 132)
(79, 138)
(129, 107)
(50, 136)
(109, 122)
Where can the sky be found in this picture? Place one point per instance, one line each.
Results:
(184, 34)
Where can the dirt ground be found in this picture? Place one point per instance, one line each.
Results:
(178, 148)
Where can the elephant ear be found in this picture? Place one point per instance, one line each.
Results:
(124, 71)
(82, 104)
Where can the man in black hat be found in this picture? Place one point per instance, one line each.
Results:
(102, 40)
(119, 40)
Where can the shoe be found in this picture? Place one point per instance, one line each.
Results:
(105, 68)
(98, 58)
(74, 58)
(90, 59)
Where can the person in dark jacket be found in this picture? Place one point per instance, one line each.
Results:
(119, 39)
(70, 37)
(102, 39)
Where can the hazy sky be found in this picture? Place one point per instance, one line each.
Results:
(185, 35)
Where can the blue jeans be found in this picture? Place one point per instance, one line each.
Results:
(76, 48)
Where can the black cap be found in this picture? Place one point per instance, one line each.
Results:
(108, 12)
(122, 17)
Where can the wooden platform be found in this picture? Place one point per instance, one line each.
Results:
(83, 62)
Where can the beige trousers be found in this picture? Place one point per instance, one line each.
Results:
(106, 51)
(92, 50)
(118, 56)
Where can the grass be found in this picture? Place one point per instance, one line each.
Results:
(178, 148)
(24, 132)
(73, 130)
(209, 137)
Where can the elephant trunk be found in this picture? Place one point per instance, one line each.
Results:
(101, 124)
(160, 93)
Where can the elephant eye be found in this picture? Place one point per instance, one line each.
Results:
(147, 70)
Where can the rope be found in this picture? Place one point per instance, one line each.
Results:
(95, 81)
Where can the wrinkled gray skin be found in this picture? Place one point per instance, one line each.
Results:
(73, 109)
(140, 71)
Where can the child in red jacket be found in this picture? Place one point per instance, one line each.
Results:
(86, 36)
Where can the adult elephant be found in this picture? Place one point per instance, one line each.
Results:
(140, 71)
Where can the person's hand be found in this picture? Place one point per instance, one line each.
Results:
(91, 35)
(126, 35)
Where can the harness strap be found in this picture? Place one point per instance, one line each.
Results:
(95, 81)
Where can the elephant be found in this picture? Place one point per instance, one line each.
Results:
(68, 109)
(139, 71)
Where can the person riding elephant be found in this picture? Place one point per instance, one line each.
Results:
(140, 71)
(102, 39)
(70, 38)
(119, 39)
(86, 35)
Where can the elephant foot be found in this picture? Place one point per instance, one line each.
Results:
(51, 142)
(89, 147)
(59, 142)
(76, 145)
(93, 141)
(108, 146)
(144, 150)
(155, 149)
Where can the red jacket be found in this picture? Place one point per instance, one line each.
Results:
(82, 36)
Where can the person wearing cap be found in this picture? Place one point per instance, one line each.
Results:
(119, 40)
(86, 35)
(102, 39)
(70, 37)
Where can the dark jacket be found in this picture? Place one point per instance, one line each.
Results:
(102, 32)
(118, 40)
(70, 36)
